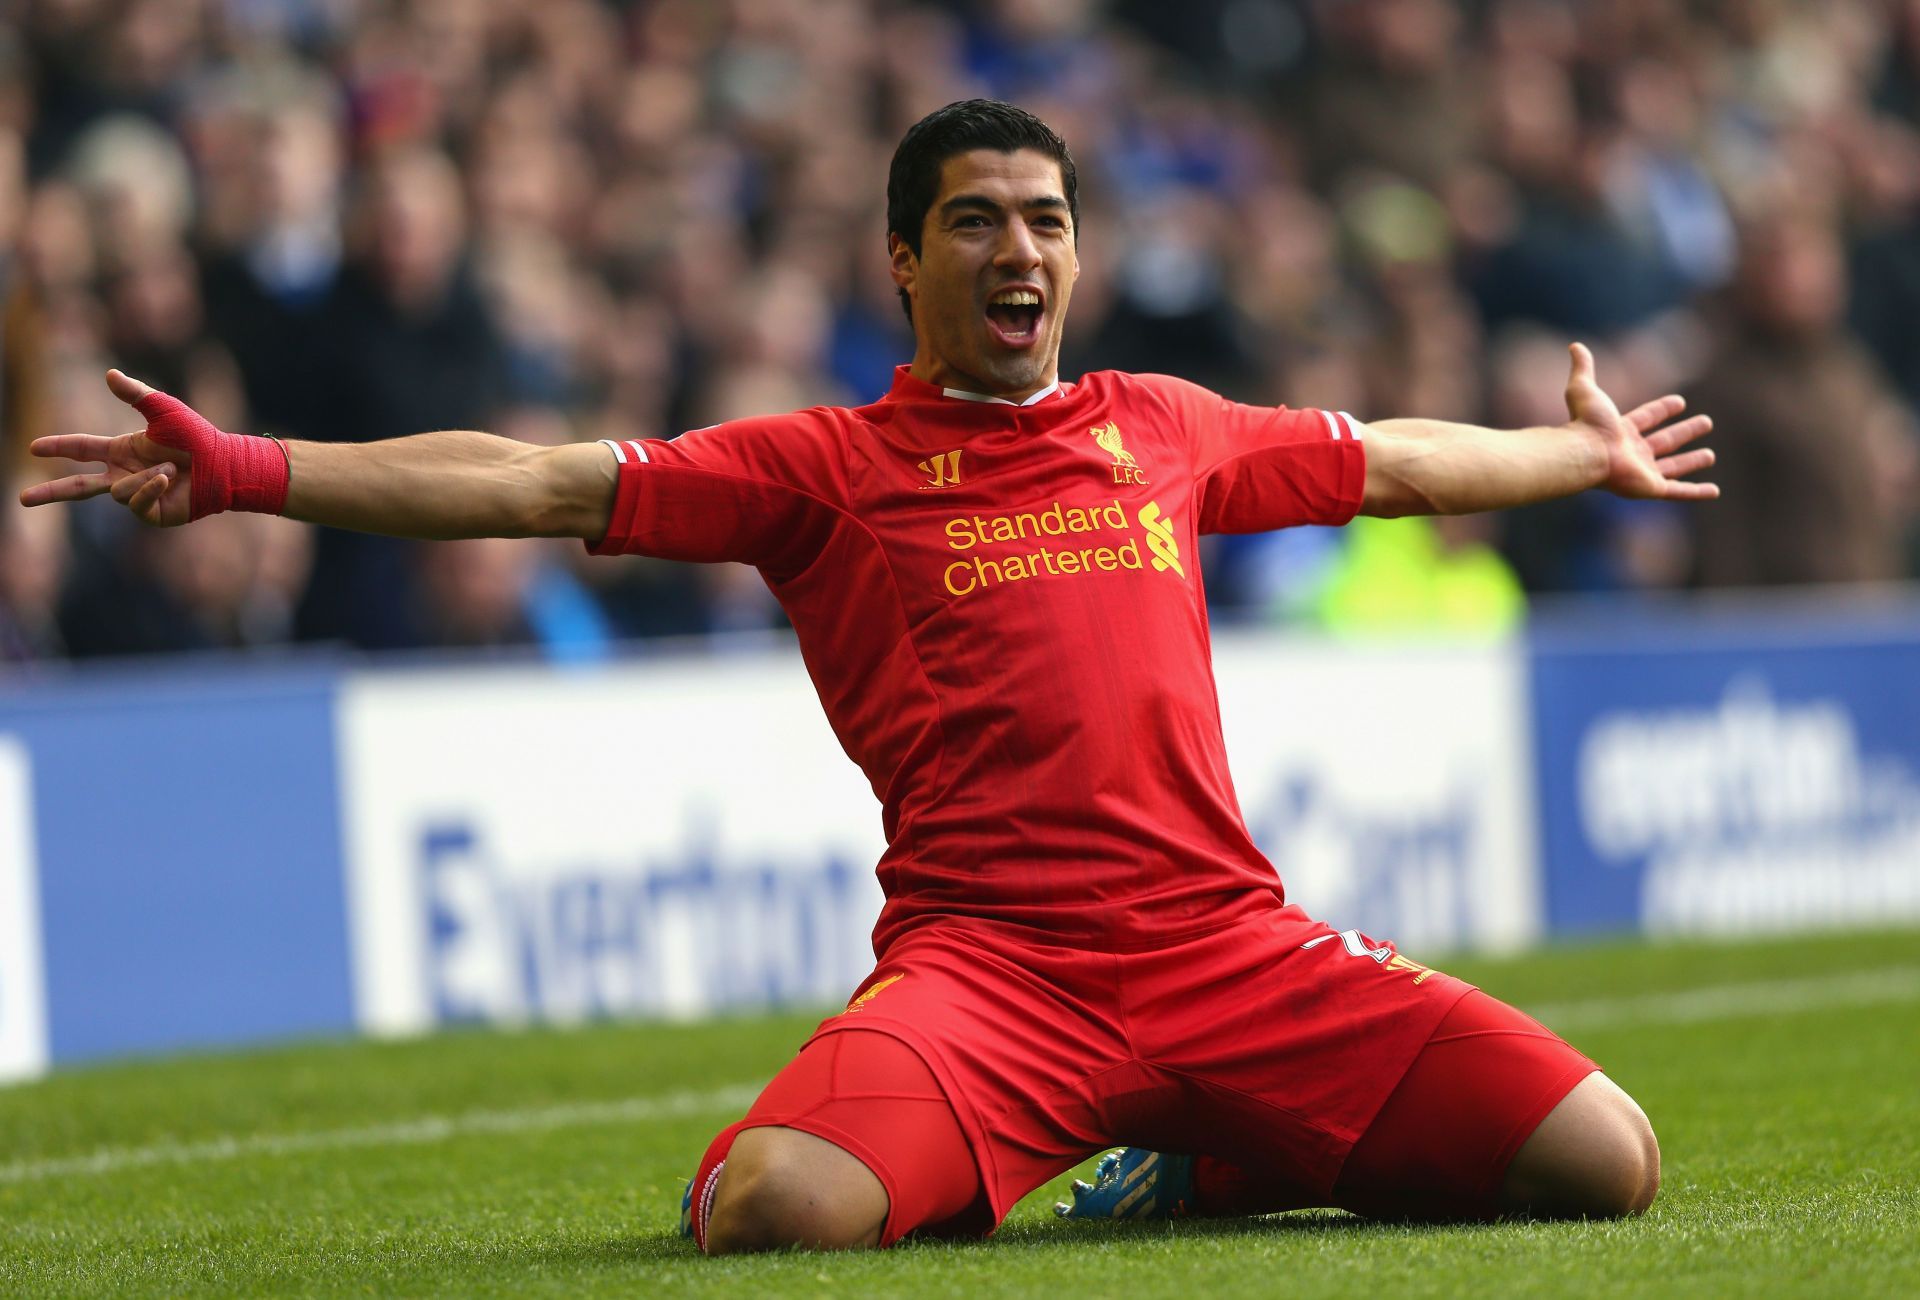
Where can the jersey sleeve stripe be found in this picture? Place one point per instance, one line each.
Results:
(1332, 427)
(1353, 426)
(634, 445)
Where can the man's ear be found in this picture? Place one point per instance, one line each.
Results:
(906, 266)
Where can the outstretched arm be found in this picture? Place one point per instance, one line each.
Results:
(1430, 467)
(455, 483)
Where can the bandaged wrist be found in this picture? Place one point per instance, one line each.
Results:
(230, 471)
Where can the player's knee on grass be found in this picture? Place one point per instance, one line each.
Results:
(783, 1188)
(1594, 1156)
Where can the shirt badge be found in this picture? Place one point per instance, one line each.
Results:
(1125, 468)
(942, 471)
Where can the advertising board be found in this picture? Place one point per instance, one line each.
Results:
(23, 1013)
(657, 838)
(1730, 786)
(1389, 784)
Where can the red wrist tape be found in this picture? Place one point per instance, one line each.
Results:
(231, 471)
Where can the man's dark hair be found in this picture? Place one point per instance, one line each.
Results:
(914, 179)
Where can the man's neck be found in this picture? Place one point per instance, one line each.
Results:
(956, 383)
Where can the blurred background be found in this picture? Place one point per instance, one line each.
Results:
(574, 219)
(356, 219)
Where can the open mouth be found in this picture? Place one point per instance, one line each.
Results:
(1013, 316)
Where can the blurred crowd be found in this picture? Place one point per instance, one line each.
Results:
(572, 219)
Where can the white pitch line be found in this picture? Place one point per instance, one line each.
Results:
(425, 1129)
(1719, 1002)
(1735, 1001)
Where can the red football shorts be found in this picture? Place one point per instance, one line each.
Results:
(1272, 1045)
(1440, 1146)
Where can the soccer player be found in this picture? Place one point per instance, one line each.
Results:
(992, 577)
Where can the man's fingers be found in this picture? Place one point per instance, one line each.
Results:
(1651, 415)
(1582, 365)
(71, 446)
(126, 388)
(145, 502)
(124, 490)
(1676, 436)
(1680, 489)
(1685, 463)
(74, 487)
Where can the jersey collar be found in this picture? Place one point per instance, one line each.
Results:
(906, 385)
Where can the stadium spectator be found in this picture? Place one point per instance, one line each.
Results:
(23, 390)
(1394, 90)
(406, 343)
(1823, 488)
(33, 567)
(273, 224)
(227, 589)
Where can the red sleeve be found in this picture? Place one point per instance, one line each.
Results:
(761, 491)
(1258, 468)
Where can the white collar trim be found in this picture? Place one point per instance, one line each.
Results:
(1040, 396)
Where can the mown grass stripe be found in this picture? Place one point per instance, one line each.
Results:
(424, 1129)
(1734, 1001)
(1691, 1006)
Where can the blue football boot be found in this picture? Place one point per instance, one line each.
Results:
(686, 1212)
(1133, 1183)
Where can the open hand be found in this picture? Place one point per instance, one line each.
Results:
(1643, 451)
(151, 480)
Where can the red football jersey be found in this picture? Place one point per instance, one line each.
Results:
(1000, 608)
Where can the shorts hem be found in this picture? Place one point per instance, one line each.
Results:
(852, 1146)
(970, 1126)
(1531, 1119)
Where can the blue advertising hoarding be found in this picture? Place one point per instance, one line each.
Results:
(201, 857)
(1747, 774)
(188, 851)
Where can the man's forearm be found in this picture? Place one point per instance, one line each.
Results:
(1431, 467)
(455, 483)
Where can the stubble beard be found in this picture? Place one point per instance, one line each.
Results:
(1021, 371)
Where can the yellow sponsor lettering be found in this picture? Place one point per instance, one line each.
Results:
(1166, 551)
(972, 532)
(965, 532)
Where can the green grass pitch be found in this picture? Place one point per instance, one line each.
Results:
(1783, 1078)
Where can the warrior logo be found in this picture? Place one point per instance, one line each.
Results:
(942, 470)
(1125, 468)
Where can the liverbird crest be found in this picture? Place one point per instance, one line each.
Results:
(1108, 436)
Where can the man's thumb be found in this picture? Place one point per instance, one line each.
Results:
(126, 388)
